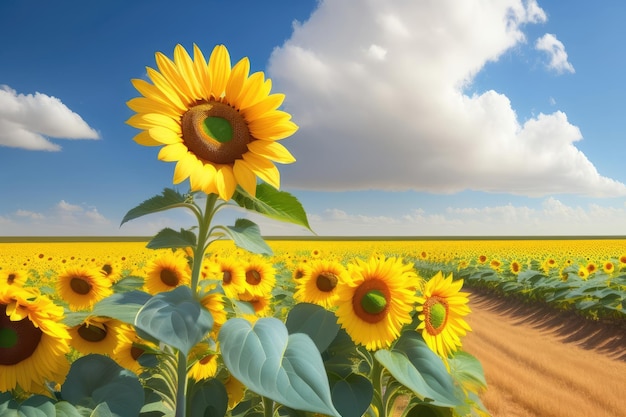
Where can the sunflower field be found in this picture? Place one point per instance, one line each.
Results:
(216, 320)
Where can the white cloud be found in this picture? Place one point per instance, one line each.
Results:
(401, 119)
(556, 52)
(551, 217)
(26, 121)
(29, 214)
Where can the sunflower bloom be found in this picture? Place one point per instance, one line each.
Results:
(166, 272)
(233, 276)
(96, 335)
(218, 123)
(441, 310)
(319, 285)
(82, 287)
(235, 390)
(129, 349)
(13, 277)
(260, 277)
(204, 362)
(33, 341)
(377, 301)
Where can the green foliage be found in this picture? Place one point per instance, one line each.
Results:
(285, 368)
(247, 235)
(207, 398)
(169, 199)
(170, 238)
(96, 381)
(315, 321)
(272, 203)
(175, 318)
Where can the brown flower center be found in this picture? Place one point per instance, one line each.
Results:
(253, 277)
(326, 281)
(92, 333)
(436, 314)
(80, 285)
(215, 132)
(169, 277)
(371, 300)
(227, 277)
(18, 339)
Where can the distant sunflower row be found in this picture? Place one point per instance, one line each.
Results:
(373, 300)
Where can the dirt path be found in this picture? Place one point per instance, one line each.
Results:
(539, 363)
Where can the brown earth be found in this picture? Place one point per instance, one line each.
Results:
(544, 363)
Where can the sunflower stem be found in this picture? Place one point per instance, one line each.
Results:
(376, 374)
(268, 407)
(201, 245)
(181, 392)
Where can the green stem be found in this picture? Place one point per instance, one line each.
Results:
(203, 235)
(376, 374)
(268, 407)
(181, 392)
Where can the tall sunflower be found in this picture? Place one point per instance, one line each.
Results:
(167, 271)
(219, 124)
(377, 301)
(96, 335)
(320, 284)
(33, 341)
(441, 308)
(260, 277)
(82, 287)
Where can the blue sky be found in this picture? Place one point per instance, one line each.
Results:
(500, 117)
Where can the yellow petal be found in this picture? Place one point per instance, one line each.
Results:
(166, 88)
(146, 105)
(276, 131)
(165, 135)
(253, 90)
(144, 138)
(153, 93)
(169, 71)
(219, 70)
(225, 181)
(268, 104)
(263, 168)
(184, 168)
(202, 71)
(238, 76)
(245, 176)
(187, 72)
(271, 150)
(172, 153)
(147, 121)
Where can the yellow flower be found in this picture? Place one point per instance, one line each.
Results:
(233, 276)
(319, 285)
(82, 287)
(515, 267)
(377, 301)
(13, 277)
(442, 307)
(166, 272)
(235, 390)
(260, 277)
(129, 349)
(33, 341)
(214, 302)
(218, 124)
(203, 362)
(96, 335)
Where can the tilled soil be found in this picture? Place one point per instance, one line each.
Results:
(544, 363)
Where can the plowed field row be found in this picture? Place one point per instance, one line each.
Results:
(538, 362)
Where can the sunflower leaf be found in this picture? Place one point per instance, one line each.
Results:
(285, 368)
(272, 203)
(247, 235)
(170, 238)
(314, 320)
(413, 364)
(175, 318)
(207, 398)
(97, 379)
(167, 200)
(352, 395)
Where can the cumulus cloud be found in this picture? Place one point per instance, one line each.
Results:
(556, 52)
(379, 92)
(27, 121)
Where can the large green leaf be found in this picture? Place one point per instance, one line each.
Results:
(352, 395)
(414, 365)
(285, 368)
(97, 379)
(170, 238)
(467, 371)
(314, 320)
(175, 318)
(207, 398)
(168, 199)
(275, 204)
(247, 235)
(34, 406)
